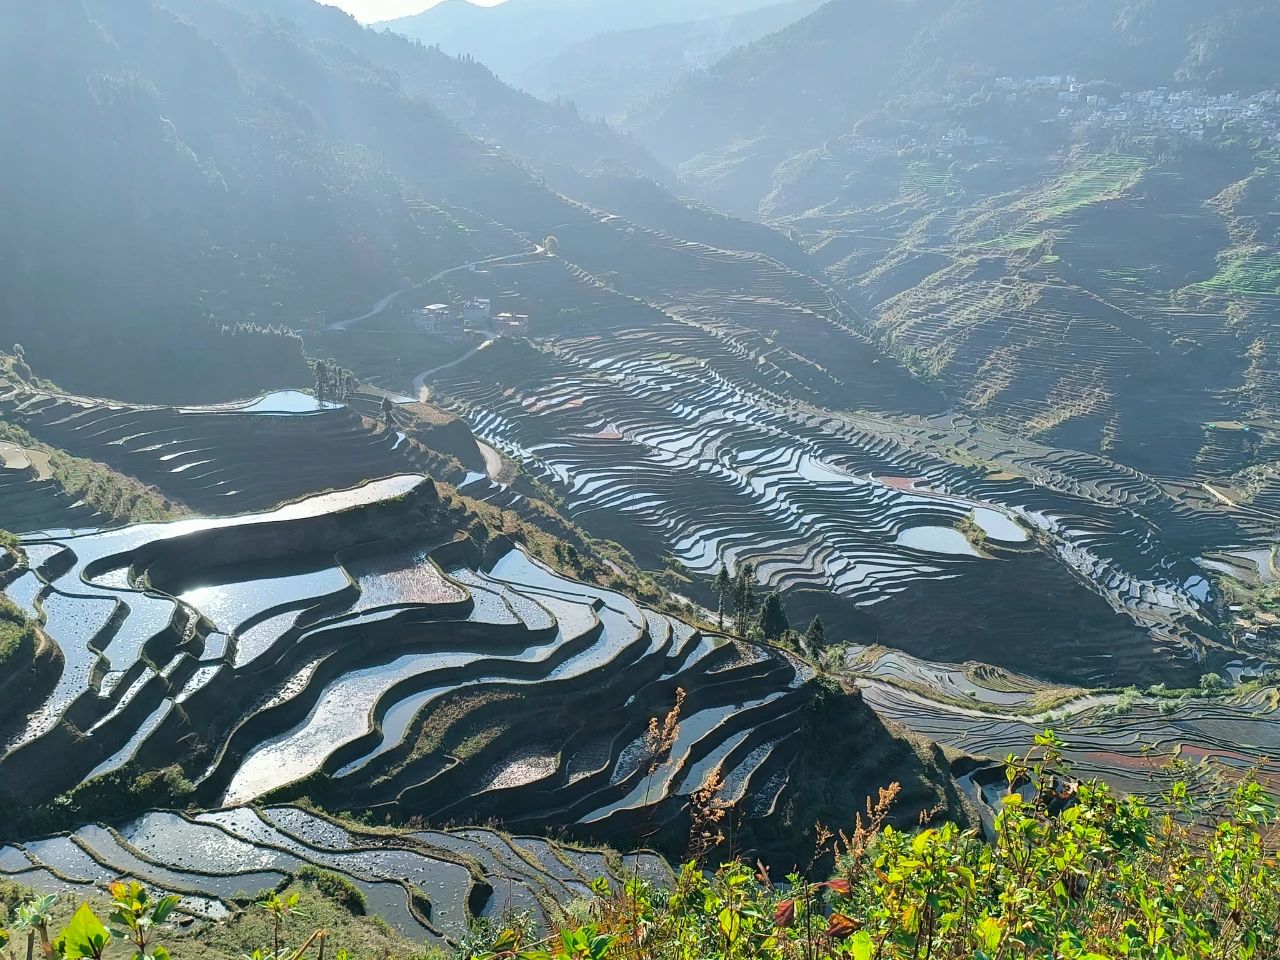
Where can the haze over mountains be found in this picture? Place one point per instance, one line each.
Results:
(604, 55)
(245, 154)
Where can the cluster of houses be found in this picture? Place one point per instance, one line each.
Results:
(472, 318)
(1165, 112)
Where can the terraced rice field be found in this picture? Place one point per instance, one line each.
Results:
(216, 460)
(1081, 300)
(31, 499)
(671, 442)
(1256, 275)
(1126, 740)
(429, 885)
(418, 680)
(708, 409)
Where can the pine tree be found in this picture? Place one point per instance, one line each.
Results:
(773, 618)
(816, 635)
(723, 586)
(322, 380)
(744, 598)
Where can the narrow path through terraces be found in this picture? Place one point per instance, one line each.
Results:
(378, 307)
(420, 381)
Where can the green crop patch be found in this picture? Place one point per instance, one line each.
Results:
(1095, 180)
(1250, 275)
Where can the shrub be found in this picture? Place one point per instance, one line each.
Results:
(11, 542)
(17, 635)
(1073, 871)
(1212, 683)
(336, 887)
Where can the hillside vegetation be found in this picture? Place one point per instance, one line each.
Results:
(730, 126)
(17, 635)
(267, 168)
(112, 495)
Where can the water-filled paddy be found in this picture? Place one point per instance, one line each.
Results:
(279, 403)
(937, 540)
(999, 526)
(230, 604)
(403, 576)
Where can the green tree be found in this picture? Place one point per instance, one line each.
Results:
(744, 598)
(723, 586)
(1212, 683)
(773, 620)
(323, 382)
(816, 635)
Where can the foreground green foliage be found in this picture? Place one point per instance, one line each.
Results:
(305, 919)
(135, 915)
(1074, 872)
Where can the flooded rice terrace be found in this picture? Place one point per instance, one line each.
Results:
(330, 662)
(344, 648)
(687, 460)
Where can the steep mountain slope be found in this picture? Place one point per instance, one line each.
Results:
(1049, 210)
(606, 74)
(514, 35)
(817, 76)
(165, 180)
(729, 126)
(257, 172)
(466, 91)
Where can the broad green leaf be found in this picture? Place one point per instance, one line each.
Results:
(730, 923)
(505, 941)
(861, 946)
(163, 908)
(84, 936)
(989, 932)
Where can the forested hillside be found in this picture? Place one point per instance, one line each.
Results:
(729, 126)
(201, 170)
(609, 73)
(512, 36)
(467, 91)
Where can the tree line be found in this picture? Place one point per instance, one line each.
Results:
(759, 618)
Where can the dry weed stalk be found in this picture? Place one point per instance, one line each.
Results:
(852, 848)
(661, 737)
(929, 814)
(706, 814)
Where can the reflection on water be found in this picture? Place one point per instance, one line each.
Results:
(997, 526)
(228, 605)
(280, 402)
(342, 714)
(404, 576)
(936, 540)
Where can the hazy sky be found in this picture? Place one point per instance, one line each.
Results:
(370, 11)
